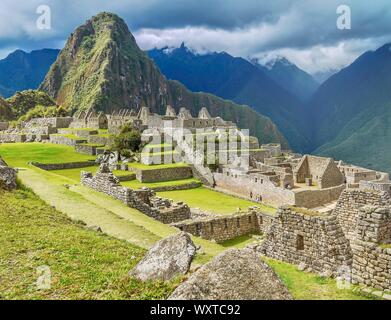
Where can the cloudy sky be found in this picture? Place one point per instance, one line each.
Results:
(305, 31)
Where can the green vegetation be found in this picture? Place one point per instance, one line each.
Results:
(135, 184)
(74, 174)
(212, 201)
(40, 111)
(5, 110)
(309, 286)
(128, 140)
(141, 166)
(26, 100)
(89, 265)
(90, 66)
(241, 242)
(84, 264)
(19, 154)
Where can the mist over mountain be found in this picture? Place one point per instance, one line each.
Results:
(21, 70)
(289, 76)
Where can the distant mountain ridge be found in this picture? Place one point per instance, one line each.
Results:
(289, 76)
(351, 112)
(101, 67)
(21, 70)
(236, 79)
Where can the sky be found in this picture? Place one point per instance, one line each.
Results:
(304, 31)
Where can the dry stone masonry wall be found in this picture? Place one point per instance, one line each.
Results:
(372, 249)
(316, 241)
(222, 228)
(144, 200)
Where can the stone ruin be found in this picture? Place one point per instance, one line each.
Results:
(7, 176)
(144, 200)
(354, 242)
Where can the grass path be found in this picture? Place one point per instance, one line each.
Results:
(82, 264)
(97, 209)
(51, 189)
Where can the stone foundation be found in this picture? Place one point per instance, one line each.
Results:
(372, 262)
(161, 175)
(62, 166)
(316, 241)
(12, 137)
(144, 200)
(222, 228)
(60, 139)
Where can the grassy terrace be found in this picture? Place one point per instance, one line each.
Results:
(84, 264)
(74, 174)
(212, 201)
(89, 265)
(157, 166)
(135, 184)
(19, 154)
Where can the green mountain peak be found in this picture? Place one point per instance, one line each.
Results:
(102, 67)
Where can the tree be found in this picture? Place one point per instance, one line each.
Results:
(128, 139)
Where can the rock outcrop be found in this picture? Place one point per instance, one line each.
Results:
(168, 258)
(7, 176)
(233, 275)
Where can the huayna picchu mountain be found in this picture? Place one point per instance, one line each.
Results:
(102, 67)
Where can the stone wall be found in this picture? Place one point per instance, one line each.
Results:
(12, 137)
(316, 241)
(372, 262)
(227, 227)
(376, 185)
(62, 166)
(317, 197)
(86, 149)
(184, 186)
(102, 140)
(164, 174)
(4, 126)
(255, 188)
(56, 122)
(7, 176)
(144, 200)
(60, 139)
(349, 204)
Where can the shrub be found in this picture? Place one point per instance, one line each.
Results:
(127, 140)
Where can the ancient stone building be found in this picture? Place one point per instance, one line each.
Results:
(323, 172)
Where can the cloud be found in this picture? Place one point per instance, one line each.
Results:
(303, 30)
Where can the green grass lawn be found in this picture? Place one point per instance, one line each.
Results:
(84, 264)
(212, 201)
(157, 166)
(74, 174)
(19, 154)
(135, 184)
(309, 286)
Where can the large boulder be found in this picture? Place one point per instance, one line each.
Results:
(166, 259)
(233, 275)
(7, 176)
